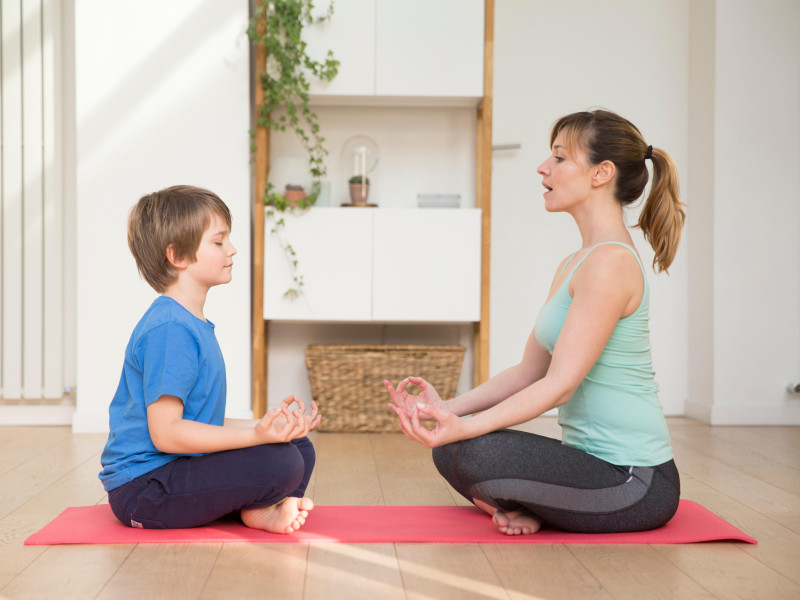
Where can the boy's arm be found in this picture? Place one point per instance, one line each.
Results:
(173, 434)
(240, 423)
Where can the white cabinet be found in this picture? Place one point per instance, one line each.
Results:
(429, 48)
(427, 265)
(384, 265)
(350, 34)
(402, 49)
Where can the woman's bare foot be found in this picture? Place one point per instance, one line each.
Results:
(516, 522)
(286, 516)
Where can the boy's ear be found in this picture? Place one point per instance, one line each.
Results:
(603, 173)
(172, 257)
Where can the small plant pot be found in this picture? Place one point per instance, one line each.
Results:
(359, 193)
(293, 197)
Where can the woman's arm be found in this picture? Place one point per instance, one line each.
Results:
(173, 434)
(603, 293)
(533, 366)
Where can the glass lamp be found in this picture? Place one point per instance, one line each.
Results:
(359, 158)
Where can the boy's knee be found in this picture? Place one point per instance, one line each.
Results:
(306, 449)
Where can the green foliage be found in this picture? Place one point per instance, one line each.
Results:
(285, 81)
(359, 179)
(278, 27)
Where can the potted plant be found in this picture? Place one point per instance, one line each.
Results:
(294, 194)
(283, 84)
(359, 189)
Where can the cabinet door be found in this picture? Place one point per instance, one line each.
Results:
(427, 265)
(350, 34)
(429, 48)
(334, 255)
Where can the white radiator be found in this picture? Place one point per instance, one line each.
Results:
(31, 236)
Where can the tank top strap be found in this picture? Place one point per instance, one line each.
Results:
(632, 251)
(566, 264)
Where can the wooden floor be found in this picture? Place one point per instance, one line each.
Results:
(748, 475)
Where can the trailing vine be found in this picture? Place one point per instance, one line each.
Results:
(277, 25)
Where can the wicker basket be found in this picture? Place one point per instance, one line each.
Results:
(347, 381)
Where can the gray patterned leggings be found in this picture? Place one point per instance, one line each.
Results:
(565, 487)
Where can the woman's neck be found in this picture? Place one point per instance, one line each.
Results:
(599, 219)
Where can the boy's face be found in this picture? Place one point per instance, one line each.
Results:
(214, 262)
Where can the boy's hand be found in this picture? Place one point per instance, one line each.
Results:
(282, 425)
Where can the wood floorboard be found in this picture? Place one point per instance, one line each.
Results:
(353, 571)
(76, 487)
(636, 572)
(542, 571)
(23, 482)
(448, 571)
(781, 506)
(788, 436)
(162, 571)
(727, 572)
(763, 462)
(747, 475)
(17, 450)
(778, 547)
(245, 571)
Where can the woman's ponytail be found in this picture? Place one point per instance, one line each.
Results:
(662, 216)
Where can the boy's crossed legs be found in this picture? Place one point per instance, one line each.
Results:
(266, 483)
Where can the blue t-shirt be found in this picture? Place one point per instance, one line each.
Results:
(171, 352)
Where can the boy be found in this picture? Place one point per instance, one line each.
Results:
(172, 459)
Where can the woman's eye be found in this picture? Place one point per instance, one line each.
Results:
(559, 158)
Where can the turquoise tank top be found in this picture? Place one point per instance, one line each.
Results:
(615, 413)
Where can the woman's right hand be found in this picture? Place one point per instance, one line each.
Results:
(408, 402)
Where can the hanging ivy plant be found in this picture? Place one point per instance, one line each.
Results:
(284, 84)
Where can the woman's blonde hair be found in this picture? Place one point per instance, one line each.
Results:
(604, 135)
(176, 216)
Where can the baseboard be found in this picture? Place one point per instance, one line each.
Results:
(36, 415)
(698, 411)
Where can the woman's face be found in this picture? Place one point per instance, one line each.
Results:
(566, 176)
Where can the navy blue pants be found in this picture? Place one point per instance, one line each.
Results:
(191, 491)
(565, 487)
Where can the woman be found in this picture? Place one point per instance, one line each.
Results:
(588, 355)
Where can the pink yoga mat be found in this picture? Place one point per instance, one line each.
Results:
(436, 524)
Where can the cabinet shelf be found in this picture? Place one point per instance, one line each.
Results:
(402, 62)
(379, 265)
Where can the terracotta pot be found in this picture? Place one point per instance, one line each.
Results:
(359, 192)
(293, 197)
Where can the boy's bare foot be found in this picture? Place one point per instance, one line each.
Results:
(287, 516)
(516, 522)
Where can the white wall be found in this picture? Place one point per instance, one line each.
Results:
(756, 213)
(553, 58)
(162, 98)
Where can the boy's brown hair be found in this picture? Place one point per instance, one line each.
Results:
(176, 216)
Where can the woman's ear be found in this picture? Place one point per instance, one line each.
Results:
(603, 173)
(173, 258)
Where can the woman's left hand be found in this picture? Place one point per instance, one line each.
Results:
(449, 427)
